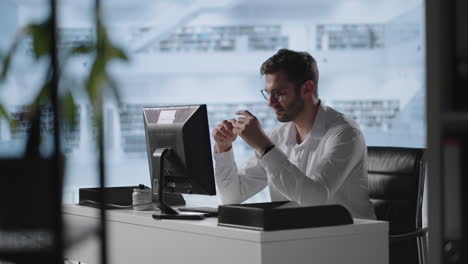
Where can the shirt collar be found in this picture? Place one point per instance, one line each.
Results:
(320, 124)
(318, 129)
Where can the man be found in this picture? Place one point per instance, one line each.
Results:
(316, 156)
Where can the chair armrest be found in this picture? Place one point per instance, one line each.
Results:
(410, 235)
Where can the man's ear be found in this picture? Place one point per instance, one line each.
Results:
(309, 88)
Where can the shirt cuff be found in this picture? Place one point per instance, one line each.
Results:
(223, 157)
(273, 160)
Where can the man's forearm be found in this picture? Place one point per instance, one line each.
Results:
(291, 182)
(220, 149)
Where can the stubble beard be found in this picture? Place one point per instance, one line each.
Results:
(291, 111)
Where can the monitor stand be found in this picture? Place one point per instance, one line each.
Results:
(158, 185)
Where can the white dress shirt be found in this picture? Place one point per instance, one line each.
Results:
(328, 167)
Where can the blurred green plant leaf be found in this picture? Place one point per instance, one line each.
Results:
(6, 61)
(95, 82)
(41, 99)
(40, 34)
(98, 78)
(115, 89)
(44, 93)
(83, 49)
(5, 66)
(4, 113)
(118, 53)
(70, 110)
(109, 50)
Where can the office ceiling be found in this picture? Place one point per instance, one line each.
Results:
(148, 3)
(154, 12)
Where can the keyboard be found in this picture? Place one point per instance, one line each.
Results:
(212, 211)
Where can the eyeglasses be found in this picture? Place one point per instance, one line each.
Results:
(275, 94)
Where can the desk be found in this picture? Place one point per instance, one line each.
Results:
(135, 237)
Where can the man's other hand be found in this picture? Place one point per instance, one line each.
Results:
(249, 129)
(224, 135)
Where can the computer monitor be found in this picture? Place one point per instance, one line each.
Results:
(179, 154)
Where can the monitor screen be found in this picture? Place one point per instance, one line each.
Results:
(178, 147)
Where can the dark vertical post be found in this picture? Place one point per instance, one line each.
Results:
(57, 157)
(100, 118)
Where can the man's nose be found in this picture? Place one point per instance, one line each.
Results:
(272, 101)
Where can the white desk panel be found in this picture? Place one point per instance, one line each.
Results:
(134, 236)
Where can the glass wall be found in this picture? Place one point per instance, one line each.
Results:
(370, 56)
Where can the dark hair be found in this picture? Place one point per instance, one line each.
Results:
(298, 66)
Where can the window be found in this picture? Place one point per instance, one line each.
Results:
(183, 52)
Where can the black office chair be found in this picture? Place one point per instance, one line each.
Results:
(396, 184)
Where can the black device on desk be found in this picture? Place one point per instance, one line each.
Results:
(282, 215)
(179, 155)
(119, 197)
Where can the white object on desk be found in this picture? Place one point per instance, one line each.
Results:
(135, 237)
(142, 200)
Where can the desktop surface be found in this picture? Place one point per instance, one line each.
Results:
(209, 226)
(135, 234)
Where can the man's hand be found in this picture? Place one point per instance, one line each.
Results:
(248, 128)
(224, 135)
